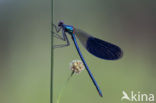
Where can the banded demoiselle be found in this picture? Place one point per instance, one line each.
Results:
(95, 46)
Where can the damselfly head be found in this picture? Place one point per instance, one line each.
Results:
(76, 66)
(60, 23)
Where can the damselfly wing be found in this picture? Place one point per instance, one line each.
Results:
(98, 47)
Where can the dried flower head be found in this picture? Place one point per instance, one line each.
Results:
(76, 66)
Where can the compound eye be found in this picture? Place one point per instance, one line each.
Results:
(60, 23)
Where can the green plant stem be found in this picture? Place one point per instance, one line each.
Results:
(51, 73)
(61, 92)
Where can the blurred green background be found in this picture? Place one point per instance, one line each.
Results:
(25, 50)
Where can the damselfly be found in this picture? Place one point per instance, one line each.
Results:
(95, 46)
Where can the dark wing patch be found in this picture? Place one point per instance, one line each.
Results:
(103, 49)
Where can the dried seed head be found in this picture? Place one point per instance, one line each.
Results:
(76, 66)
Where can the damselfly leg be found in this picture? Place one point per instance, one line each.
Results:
(63, 37)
